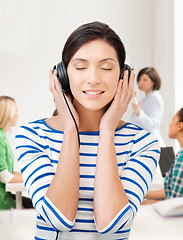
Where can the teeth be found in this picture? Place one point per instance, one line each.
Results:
(93, 93)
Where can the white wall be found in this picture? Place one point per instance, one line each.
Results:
(33, 34)
(163, 58)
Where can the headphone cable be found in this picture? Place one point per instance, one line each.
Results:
(71, 115)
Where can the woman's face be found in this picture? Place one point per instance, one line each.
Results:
(145, 83)
(174, 127)
(94, 74)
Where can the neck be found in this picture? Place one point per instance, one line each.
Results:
(147, 92)
(89, 120)
(180, 140)
(6, 129)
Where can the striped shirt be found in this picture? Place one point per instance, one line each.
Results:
(38, 147)
(173, 183)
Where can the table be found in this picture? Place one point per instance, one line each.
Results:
(18, 188)
(148, 224)
(17, 224)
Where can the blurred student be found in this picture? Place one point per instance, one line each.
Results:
(148, 113)
(173, 183)
(8, 119)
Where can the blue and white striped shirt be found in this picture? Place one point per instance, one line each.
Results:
(38, 147)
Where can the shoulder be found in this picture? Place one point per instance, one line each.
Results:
(2, 137)
(141, 138)
(155, 98)
(32, 128)
(180, 157)
(37, 129)
(135, 131)
(155, 95)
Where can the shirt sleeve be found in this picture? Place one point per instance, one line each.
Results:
(136, 177)
(177, 179)
(3, 163)
(5, 176)
(38, 172)
(149, 118)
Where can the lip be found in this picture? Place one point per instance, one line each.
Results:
(93, 93)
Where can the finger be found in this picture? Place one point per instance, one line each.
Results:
(52, 75)
(57, 85)
(51, 82)
(130, 87)
(128, 90)
(119, 87)
(124, 89)
(131, 81)
(52, 79)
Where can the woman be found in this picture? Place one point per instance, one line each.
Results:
(173, 184)
(89, 190)
(148, 114)
(8, 119)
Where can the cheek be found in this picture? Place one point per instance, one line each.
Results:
(15, 118)
(73, 81)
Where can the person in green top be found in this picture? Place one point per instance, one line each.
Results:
(8, 119)
(173, 183)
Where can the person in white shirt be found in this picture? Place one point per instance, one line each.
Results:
(148, 113)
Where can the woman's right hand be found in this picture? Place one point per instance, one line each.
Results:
(63, 111)
(136, 103)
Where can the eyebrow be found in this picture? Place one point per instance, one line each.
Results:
(103, 60)
(79, 59)
(108, 59)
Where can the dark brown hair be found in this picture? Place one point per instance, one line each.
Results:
(153, 75)
(180, 115)
(89, 32)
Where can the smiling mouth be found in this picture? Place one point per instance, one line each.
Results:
(93, 92)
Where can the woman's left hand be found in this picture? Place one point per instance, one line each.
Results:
(119, 105)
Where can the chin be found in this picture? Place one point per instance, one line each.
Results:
(94, 108)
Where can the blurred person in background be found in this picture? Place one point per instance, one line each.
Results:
(8, 119)
(148, 113)
(173, 183)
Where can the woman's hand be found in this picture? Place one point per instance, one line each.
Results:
(136, 107)
(63, 111)
(119, 105)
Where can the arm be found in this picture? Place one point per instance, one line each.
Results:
(150, 117)
(54, 194)
(109, 194)
(17, 177)
(64, 188)
(177, 179)
(156, 195)
(5, 175)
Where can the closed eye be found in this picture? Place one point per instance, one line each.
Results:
(81, 68)
(108, 69)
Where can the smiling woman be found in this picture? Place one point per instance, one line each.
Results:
(90, 190)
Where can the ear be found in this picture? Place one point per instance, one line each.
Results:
(180, 127)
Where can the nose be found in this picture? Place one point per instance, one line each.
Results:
(93, 76)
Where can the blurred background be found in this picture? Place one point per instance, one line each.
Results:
(32, 35)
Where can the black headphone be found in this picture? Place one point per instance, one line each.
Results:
(64, 79)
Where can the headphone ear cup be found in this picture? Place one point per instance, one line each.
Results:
(126, 67)
(122, 72)
(63, 77)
